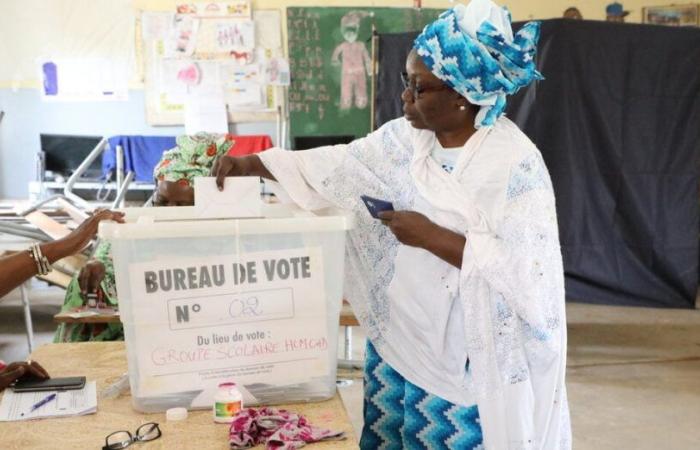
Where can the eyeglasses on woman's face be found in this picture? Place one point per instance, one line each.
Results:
(416, 89)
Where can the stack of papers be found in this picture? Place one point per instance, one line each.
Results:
(78, 402)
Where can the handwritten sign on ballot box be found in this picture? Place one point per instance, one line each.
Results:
(256, 317)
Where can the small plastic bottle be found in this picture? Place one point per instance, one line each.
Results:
(227, 402)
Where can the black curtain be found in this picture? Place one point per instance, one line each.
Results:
(618, 123)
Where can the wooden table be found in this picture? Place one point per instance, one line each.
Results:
(105, 362)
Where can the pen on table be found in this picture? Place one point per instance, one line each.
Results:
(41, 403)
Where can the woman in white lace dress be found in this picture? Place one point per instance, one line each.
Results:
(460, 289)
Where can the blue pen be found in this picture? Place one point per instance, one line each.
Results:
(41, 403)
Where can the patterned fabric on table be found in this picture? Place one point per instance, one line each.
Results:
(400, 415)
(277, 429)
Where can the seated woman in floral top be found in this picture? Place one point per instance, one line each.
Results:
(194, 156)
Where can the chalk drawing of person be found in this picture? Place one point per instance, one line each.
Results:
(356, 63)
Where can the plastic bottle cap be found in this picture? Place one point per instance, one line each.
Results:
(174, 414)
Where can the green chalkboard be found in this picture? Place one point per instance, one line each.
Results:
(329, 51)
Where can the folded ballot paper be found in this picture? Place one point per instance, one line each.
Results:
(240, 198)
(78, 402)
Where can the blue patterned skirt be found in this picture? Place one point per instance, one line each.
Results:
(400, 415)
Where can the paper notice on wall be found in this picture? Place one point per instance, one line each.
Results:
(243, 85)
(236, 8)
(225, 38)
(245, 97)
(205, 110)
(239, 9)
(277, 71)
(182, 38)
(89, 79)
(255, 317)
(156, 25)
(268, 30)
(235, 76)
(235, 34)
(180, 77)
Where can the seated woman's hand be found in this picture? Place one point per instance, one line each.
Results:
(17, 370)
(90, 277)
(79, 238)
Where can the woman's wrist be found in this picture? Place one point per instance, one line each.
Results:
(242, 166)
(56, 250)
(445, 244)
(432, 238)
(252, 166)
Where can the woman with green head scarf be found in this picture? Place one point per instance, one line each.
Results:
(174, 174)
(193, 157)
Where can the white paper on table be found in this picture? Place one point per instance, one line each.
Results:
(240, 198)
(205, 110)
(16, 405)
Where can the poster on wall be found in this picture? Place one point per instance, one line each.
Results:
(85, 79)
(235, 35)
(182, 37)
(258, 318)
(239, 9)
(277, 71)
(243, 85)
(180, 77)
(330, 59)
(229, 40)
(672, 15)
(156, 25)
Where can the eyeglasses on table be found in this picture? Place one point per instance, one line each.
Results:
(122, 439)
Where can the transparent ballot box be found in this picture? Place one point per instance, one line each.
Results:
(254, 301)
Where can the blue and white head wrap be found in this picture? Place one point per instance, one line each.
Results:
(472, 49)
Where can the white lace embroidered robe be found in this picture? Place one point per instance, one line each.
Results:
(509, 291)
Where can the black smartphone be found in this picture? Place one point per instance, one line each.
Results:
(375, 206)
(52, 384)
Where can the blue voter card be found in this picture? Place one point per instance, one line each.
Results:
(375, 206)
